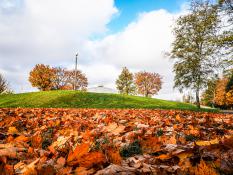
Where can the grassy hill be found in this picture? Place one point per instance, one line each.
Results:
(76, 99)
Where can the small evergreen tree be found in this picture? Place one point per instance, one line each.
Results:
(124, 83)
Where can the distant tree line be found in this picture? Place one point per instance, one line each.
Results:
(143, 83)
(203, 45)
(47, 78)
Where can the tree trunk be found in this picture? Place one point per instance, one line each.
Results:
(197, 99)
(146, 94)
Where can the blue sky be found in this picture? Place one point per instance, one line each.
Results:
(130, 9)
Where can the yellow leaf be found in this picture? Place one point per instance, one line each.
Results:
(207, 143)
(12, 130)
(184, 155)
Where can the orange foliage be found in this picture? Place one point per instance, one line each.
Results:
(223, 98)
(147, 83)
(42, 76)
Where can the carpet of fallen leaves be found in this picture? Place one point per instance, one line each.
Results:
(91, 141)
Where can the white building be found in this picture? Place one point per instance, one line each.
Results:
(101, 89)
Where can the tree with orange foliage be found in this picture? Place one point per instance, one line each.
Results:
(147, 83)
(81, 83)
(229, 98)
(224, 94)
(60, 80)
(42, 76)
(220, 92)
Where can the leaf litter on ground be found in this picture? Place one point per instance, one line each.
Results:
(98, 141)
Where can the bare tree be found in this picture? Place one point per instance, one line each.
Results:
(3, 84)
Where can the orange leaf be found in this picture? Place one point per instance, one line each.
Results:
(79, 151)
(83, 171)
(164, 157)
(37, 141)
(91, 159)
(114, 157)
(9, 169)
(61, 161)
(21, 138)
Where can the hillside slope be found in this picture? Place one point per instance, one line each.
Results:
(75, 99)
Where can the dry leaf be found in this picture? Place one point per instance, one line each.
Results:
(207, 143)
(12, 130)
(83, 171)
(91, 159)
(77, 154)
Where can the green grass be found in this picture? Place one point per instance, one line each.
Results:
(76, 99)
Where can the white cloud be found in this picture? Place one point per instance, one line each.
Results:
(141, 46)
(47, 31)
(52, 31)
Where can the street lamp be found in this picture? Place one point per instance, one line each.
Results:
(75, 76)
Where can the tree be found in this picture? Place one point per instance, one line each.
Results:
(42, 76)
(226, 39)
(194, 48)
(61, 79)
(208, 95)
(3, 84)
(227, 6)
(147, 83)
(224, 97)
(188, 98)
(125, 83)
(82, 81)
(229, 89)
(220, 92)
(230, 82)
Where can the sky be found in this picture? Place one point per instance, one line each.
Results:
(107, 34)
